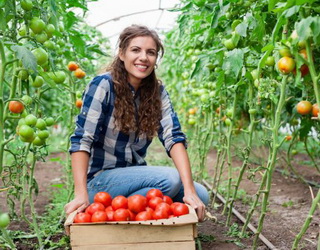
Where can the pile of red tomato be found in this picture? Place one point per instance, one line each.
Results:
(153, 206)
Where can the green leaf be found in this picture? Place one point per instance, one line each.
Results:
(217, 13)
(303, 28)
(3, 22)
(78, 42)
(25, 55)
(292, 11)
(279, 24)
(241, 29)
(47, 78)
(234, 61)
(71, 19)
(59, 185)
(272, 4)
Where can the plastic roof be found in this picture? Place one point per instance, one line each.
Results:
(111, 17)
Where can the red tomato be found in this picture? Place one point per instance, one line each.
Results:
(315, 110)
(110, 214)
(119, 202)
(137, 203)
(132, 215)
(160, 213)
(164, 206)
(154, 193)
(93, 207)
(180, 209)
(103, 197)
(99, 216)
(153, 202)
(109, 208)
(150, 211)
(144, 215)
(167, 199)
(82, 218)
(121, 214)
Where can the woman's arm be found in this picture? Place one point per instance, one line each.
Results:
(79, 162)
(181, 160)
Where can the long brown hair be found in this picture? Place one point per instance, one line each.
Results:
(149, 112)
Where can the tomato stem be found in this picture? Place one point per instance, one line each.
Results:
(307, 221)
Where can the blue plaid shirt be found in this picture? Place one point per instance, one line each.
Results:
(108, 147)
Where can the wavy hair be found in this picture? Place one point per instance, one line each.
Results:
(149, 110)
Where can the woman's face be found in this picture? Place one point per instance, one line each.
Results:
(139, 58)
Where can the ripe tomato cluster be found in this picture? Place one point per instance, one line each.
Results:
(153, 206)
(305, 108)
(78, 72)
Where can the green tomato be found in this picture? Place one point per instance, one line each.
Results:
(37, 25)
(285, 51)
(252, 111)
(227, 122)
(204, 97)
(270, 61)
(49, 121)
(26, 132)
(229, 112)
(38, 82)
(43, 134)
(27, 100)
(23, 74)
(229, 44)
(38, 141)
(191, 121)
(78, 94)
(58, 76)
(41, 124)
(49, 44)
(255, 74)
(22, 121)
(50, 29)
(41, 56)
(31, 120)
(42, 37)
(4, 220)
(26, 5)
(23, 31)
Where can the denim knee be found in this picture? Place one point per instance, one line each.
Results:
(202, 192)
(171, 184)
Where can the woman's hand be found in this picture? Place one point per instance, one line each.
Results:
(78, 203)
(194, 201)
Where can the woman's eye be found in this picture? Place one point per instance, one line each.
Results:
(152, 53)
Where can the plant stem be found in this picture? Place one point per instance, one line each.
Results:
(2, 72)
(229, 158)
(307, 222)
(246, 154)
(271, 166)
(7, 238)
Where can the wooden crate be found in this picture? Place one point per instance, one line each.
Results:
(170, 234)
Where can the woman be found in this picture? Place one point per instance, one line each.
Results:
(122, 111)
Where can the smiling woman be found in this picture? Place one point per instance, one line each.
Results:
(123, 110)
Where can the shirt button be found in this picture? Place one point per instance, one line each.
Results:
(84, 113)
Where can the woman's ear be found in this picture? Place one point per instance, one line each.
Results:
(121, 56)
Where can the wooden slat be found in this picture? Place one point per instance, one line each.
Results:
(186, 245)
(105, 234)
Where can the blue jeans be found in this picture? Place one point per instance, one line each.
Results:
(139, 180)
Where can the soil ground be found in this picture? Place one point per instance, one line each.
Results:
(290, 201)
